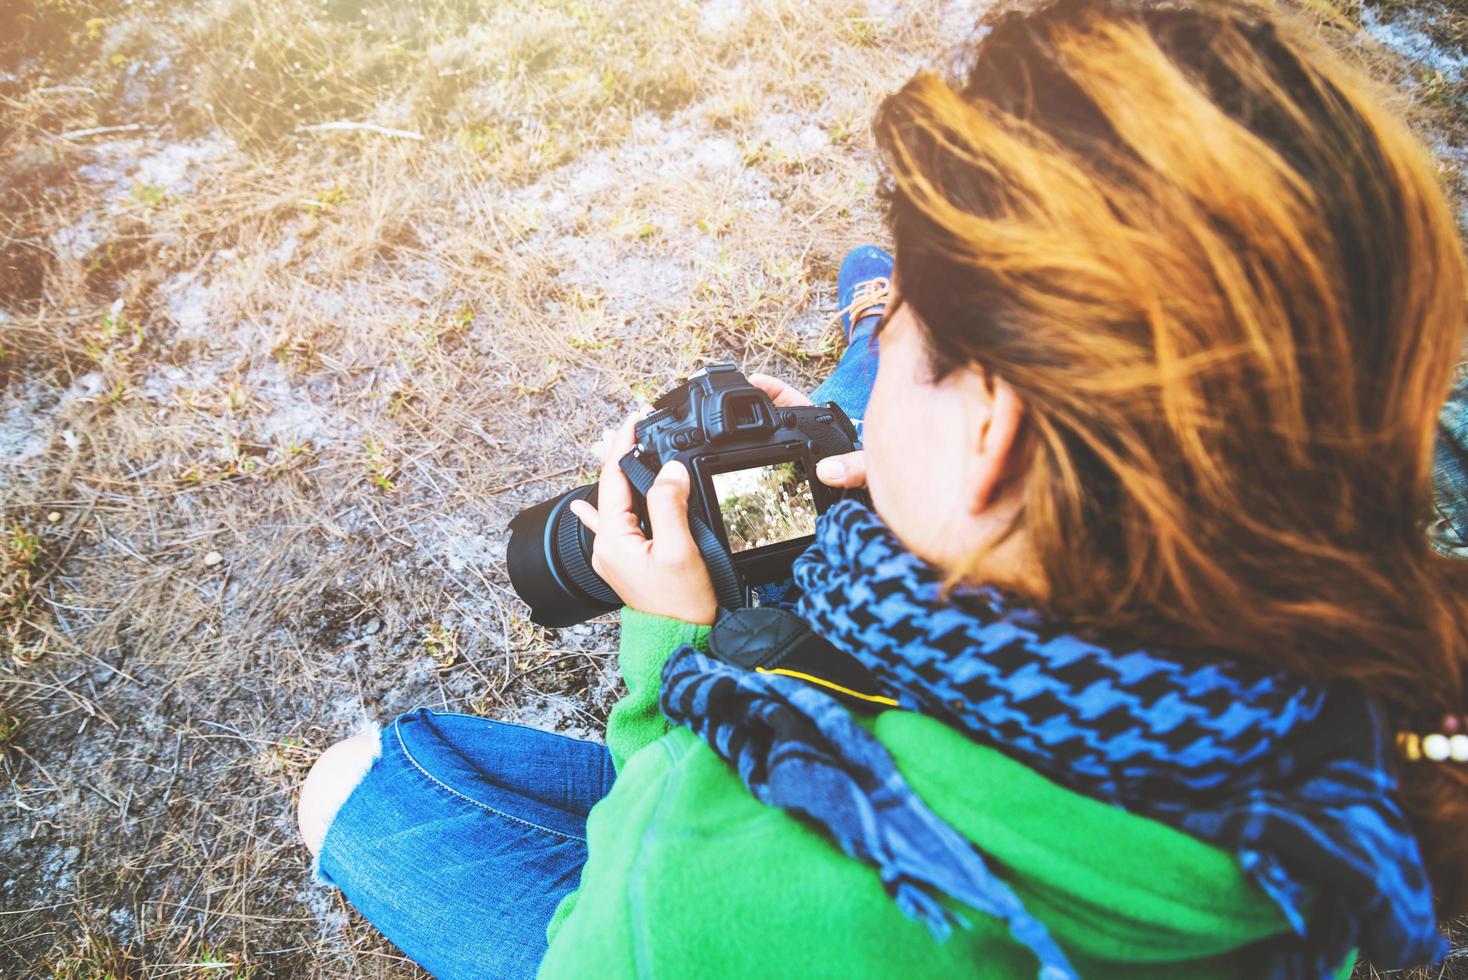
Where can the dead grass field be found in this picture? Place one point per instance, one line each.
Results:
(269, 393)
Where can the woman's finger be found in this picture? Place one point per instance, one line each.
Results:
(782, 394)
(614, 493)
(845, 470)
(667, 512)
(586, 513)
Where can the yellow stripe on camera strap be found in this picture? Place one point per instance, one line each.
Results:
(832, 685)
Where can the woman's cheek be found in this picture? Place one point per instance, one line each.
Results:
(884, 480)
(876, 486)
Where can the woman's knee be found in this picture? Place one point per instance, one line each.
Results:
(331, 780)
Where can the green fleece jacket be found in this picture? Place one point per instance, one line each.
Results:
(689, 876)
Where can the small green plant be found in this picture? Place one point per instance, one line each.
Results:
(861, 31)
(24, 547)
(328, 201)
(20, 557)
(718, 223)
(645, 391)
(633, 226)
(294, 351)
(845, 128)
(103, 340)
(210, 961)
(479, 139)
(9, 725)
(92, 957)
(115, 326)
(149, 194)
(588, 341)
(288, 754)
(442, 644)
(379, 468)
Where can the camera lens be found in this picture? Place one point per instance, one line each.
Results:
(549, 559)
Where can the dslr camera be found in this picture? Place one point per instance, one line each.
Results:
(752, 504)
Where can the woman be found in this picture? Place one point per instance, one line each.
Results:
(1146, 583)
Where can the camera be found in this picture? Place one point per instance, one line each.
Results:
(752, 504)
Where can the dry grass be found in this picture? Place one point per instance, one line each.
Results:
(269, 396)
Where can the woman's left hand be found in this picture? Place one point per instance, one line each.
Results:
(664, 575)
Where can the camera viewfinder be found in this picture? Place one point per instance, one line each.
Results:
(746, 414)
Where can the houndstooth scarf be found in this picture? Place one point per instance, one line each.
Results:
(1294, 780)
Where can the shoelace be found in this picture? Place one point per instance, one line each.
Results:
(872, 292)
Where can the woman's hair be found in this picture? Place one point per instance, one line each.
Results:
(1230, 293)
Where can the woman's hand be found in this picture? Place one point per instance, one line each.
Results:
(666, 575)
(845, 470)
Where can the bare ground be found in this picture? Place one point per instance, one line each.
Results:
(269, 395)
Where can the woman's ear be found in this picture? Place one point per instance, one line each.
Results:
(999, 443)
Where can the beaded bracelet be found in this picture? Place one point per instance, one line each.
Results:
(1450, 743)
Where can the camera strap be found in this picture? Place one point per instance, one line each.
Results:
(773, 640)
(728, 589)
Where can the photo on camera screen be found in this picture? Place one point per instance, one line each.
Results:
(765, 505)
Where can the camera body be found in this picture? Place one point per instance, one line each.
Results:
(753, 490)
(752, 465)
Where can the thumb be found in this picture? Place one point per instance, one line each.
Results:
(782, 394)
(667, 510)
(846, 470)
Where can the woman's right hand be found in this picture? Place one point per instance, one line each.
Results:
(845, 470)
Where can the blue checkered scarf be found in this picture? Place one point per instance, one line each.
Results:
(1294, 780)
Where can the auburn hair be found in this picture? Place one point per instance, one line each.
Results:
(1230, 292)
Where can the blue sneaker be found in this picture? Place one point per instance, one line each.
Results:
(862, 288)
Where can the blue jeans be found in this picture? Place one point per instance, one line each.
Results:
(850, 385)
(466, 832)
(463, 836)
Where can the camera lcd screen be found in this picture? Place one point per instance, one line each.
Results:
(765, 505)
